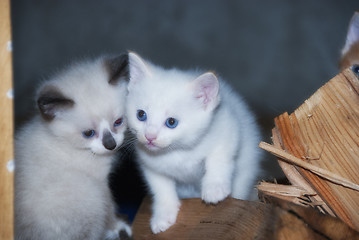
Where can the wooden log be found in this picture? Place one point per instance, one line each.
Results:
(322, 137)
(6, 125)
(238, 219)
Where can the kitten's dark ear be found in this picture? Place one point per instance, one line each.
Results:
(353, 33)
(51, 101)
(138, 68)
(206, 90)
(117, 68)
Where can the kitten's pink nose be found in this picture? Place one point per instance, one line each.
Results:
(150, 136)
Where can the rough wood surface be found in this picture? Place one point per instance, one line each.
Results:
(324, 132)
(327, 175)
(238, 219)
(290, 170)
(290, 193)
(6, 125)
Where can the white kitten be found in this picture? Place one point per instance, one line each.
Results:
(196, 138)
(63, 156)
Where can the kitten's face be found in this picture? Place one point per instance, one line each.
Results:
(99, 129)
(84, 108)
(168, 109)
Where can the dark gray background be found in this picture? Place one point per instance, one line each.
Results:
(275, 53)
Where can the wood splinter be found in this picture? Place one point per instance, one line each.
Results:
(334, 178)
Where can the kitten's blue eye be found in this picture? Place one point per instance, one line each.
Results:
(141, 115)
(88, 133)
(118, 122)
(355, 69)
(171, 122)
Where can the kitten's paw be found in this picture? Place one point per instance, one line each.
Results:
(163, 219)
(121, 231)
(215, 192)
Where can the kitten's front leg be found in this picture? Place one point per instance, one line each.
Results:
(216, 182)
(166, 203)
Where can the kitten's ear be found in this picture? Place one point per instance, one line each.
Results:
(138, 68)
(206, 89)
(353, 33)
(51, 101)
(117, 68)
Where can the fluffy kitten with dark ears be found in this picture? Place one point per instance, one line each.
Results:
(63, 155)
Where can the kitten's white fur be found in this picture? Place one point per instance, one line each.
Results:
(61, 188)
(211, 154)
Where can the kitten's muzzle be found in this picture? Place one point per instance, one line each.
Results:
(108, 141)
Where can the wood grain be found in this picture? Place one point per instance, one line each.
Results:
(330, 176)
(6, 125)
(324, 133)
(238, 219)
